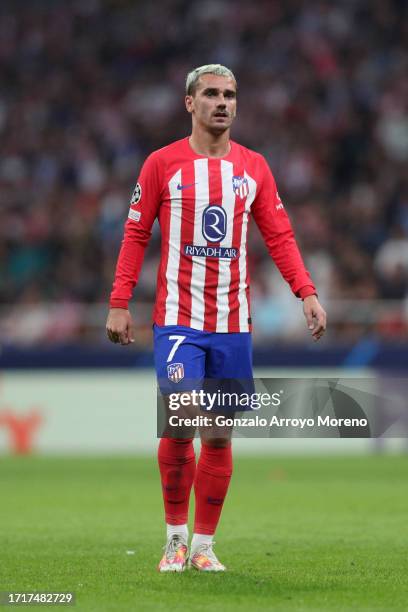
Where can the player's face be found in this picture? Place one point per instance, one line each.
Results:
(214, 103)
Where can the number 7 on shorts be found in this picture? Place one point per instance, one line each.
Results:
(179, 340)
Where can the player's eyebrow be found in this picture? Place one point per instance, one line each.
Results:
(214, 90)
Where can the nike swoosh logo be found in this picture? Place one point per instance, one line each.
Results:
(185, 186)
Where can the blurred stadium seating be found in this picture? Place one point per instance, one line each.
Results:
(88, 88)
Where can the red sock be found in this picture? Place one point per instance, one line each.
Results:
(177, 468)
(213, 476)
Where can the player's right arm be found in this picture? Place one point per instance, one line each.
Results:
(119, 326)
(143, 210)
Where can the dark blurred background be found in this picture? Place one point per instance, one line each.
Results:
(89, 88)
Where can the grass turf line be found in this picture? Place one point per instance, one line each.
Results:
(324, 533)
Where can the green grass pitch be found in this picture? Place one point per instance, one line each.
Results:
(325, 533)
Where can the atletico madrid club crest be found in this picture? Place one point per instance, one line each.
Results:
(175, 372)
(240, 186)
(137, 194)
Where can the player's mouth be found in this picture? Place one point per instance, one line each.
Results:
(221, 114)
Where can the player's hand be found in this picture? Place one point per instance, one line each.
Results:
(119, 326)
(315, 316)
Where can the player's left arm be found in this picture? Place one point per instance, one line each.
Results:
(276, 229)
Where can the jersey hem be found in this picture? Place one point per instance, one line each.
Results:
(233, 330)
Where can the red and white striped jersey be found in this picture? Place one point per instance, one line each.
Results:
(203, 206)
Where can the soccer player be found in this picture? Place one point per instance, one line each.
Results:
(203, 189)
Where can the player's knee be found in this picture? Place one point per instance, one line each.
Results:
(179, 434)
(179, 418)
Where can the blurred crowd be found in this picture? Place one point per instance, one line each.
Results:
(88, 88)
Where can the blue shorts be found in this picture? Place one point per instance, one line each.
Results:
(185, 357)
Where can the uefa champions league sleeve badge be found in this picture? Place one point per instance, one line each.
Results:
(136, 195)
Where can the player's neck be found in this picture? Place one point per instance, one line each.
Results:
(210, 145)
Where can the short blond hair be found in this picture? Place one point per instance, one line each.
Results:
(194, 75)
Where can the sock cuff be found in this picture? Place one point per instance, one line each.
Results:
(171, 448)
(217, 449)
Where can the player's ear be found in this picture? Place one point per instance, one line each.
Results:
(189, 101)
